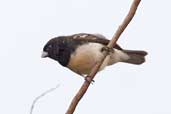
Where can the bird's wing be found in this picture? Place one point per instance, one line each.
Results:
(96, 38)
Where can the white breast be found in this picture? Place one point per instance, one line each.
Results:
(87, 55)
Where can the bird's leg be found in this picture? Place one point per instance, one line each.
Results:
(107, 49)
(88, 79)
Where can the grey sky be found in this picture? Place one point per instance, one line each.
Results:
(26, 25)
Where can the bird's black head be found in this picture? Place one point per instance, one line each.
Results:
(51, 49)
(59, 49)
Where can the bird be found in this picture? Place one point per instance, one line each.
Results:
(80, 52)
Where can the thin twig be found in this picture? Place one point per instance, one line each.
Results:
(40, 96)
(95, 69)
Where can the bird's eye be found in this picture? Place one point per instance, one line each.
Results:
(50, 46)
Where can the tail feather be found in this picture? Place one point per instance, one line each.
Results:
(135, 57)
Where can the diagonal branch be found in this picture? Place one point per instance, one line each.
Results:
(112, 43)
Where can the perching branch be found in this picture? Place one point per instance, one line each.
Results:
(112, 43)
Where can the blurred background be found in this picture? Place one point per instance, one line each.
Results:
(25, 27)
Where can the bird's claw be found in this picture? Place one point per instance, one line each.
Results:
(88, 79)
(107, 49)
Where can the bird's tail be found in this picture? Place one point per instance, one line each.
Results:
(135, 57)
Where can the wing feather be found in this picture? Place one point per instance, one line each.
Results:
(96, 38)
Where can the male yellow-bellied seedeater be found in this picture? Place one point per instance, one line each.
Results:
(80, 52)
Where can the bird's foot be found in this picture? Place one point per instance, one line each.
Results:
(107, 49)
(88, 79)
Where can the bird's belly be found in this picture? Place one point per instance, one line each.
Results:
(81, 65)
(85, 57)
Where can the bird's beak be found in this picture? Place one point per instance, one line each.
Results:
(44, 54)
